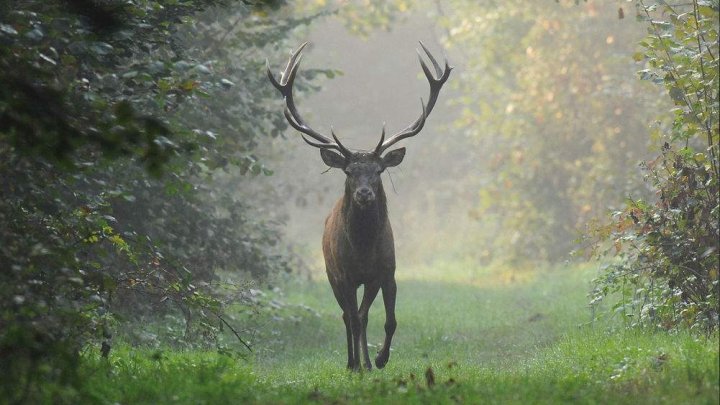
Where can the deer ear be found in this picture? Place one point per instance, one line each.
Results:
(394, 157)
(333, 159)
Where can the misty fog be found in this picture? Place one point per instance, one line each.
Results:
(433, 196)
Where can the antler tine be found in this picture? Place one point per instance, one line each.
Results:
(289, 72)
(293, 63)
(407, 133)
(435, 86)
(432, 59)
(382, 139)
(285, 86)
(345, 151)
(320, 145)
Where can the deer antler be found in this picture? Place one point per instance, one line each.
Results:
(285, 86)
(435, 86)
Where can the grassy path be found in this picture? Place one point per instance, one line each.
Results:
(486, 338)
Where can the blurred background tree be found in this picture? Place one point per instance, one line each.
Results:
(558, 126)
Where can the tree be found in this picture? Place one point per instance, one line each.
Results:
(92, 93)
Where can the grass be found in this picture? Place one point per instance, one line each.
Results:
(485, 336)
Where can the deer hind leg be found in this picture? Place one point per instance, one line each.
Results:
(389, 291)
(369, 293)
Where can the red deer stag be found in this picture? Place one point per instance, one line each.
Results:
(358, 242)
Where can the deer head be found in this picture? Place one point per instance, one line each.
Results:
(363, 168)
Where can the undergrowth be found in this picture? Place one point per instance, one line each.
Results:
(527, 340)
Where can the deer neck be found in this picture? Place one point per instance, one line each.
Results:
(364, 224)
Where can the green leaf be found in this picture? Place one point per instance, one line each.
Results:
(677, 94)
(101, 48)
(7, 29)
(124, 111)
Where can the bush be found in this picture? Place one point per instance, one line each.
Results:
(669, 249)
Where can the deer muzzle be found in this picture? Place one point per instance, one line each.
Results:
(364, 196)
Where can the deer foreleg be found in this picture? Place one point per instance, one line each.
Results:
(348, 333)
(369, 293)
(389, 291)
(355, 328)
(341, 292)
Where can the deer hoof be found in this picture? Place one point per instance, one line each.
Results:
(381, 359)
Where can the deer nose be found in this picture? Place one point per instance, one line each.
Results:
(364, 195)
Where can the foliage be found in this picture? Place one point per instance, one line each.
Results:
(59, 66)
(88, 240)
(360, 18)
(669, 248)
(550, 116)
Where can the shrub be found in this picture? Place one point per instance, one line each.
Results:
(669, 253)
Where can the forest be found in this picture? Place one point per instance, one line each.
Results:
(551, 171)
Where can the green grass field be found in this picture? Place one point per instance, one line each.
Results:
(485, 336)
